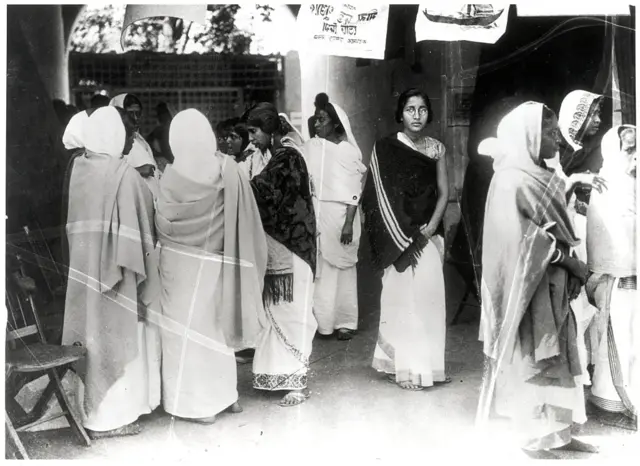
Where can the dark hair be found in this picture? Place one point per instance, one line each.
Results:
(240, 128)
(99, 100)
(264, 116)
(322, 103)
(131, 99)
(404, 98)
(222, 129)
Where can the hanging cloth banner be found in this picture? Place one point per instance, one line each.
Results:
(473, 23)
(133, 13)
(343, 29)
(573, 9)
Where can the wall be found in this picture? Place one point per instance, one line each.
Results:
(368, 94)
(43, 29)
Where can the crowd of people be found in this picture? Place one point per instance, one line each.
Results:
(191, 246)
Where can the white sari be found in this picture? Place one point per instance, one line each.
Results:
(412, 334)
(336, 171)
(611, 248)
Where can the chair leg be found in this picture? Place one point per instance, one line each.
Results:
(454, 321)
(74, 420)
(41, 406)
(13, 435)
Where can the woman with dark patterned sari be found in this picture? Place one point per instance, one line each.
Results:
(283, 194)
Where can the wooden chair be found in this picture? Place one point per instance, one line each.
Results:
(28, 354)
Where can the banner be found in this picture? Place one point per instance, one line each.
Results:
(133, 13)
(573, 9)
(474, 23)
(343, 29)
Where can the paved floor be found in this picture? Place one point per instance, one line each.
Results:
(353, 412)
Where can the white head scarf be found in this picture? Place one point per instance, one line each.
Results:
(518, 141)
(73, 133)
(104, 132)
(118, 101)
(194, 146)
(346, 124)
(573, 115)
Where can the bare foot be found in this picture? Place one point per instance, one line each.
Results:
(540, 454)
(235, 408)
(207, 421)
(405, 385)
(578, 445)
(130, 429)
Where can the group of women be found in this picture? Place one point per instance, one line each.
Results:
(174, 271)
(537, 322)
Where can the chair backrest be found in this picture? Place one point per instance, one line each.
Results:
(23, 323)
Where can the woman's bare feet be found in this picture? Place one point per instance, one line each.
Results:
(130, 429)
(580, 446)
(405, 385)
(235, 408)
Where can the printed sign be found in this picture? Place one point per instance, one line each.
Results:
(347, 30)
(474, 23)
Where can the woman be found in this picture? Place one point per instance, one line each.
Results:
(237, 139)
(612, 286)
(206, 211)
(113, 280)
(158, 139)
(578, 160)
(336, 169)
(283, 196)
(404, 200)
(529, 277)
(141, 156)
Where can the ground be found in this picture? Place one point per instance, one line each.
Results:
(353, 412)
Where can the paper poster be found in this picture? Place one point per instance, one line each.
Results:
(474, 23)
(343, 29)
(572, 9)
(133, 13)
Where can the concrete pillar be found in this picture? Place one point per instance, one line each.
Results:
(43, 29)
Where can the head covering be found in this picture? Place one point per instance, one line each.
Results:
(518, 141)
(73, 133)
(104, 132)
(194, 145)
(574, 112)
(118, 101)
(295, 130)
(346, 124)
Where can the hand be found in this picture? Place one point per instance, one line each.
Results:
(573, 287)
(146, 170)
(589, 179)
(579, 270)
(347, 234)
(427, 231)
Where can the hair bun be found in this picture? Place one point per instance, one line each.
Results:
(322, 99)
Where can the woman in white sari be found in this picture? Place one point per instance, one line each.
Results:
(283, 194)
(113, 283)
(207, 222)
(612, 286)
(336, 170)
(404, 200)
(140, 156)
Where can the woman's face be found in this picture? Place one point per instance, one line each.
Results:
(549, 138)
(592, 125)
(323, 124)
(234, 143)
(415, 114)
(135, 113)
(259, 138)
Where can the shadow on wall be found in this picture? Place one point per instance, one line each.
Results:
(36, 159)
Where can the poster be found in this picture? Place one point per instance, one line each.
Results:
(343, 29)
(572, 9)
(474, 23)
